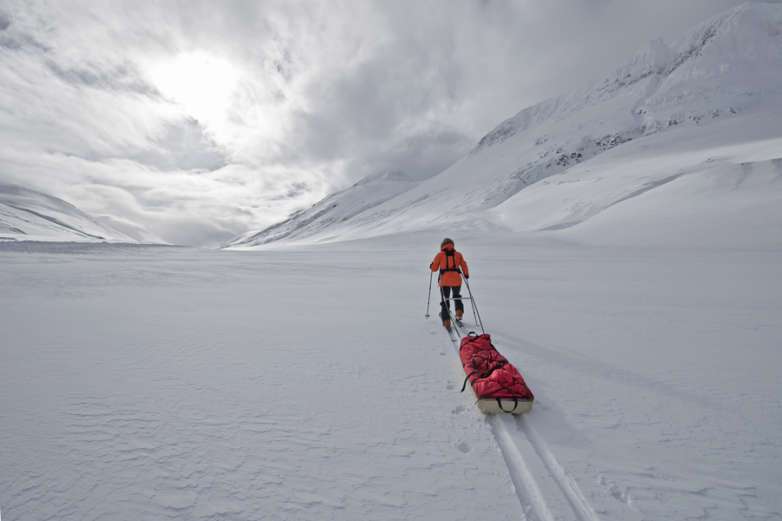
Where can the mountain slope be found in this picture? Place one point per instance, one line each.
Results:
(709, 89)
(686, 187)
(333, 210)
(34, 216)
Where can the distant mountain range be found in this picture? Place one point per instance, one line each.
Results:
(31, 215)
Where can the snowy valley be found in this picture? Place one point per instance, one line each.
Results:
(625, 249)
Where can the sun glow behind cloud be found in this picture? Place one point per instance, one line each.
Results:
(203, 85)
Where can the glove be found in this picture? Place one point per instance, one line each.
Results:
(466, 276)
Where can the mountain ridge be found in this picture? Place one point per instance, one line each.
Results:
(31, 215)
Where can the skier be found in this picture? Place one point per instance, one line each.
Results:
(451, 265)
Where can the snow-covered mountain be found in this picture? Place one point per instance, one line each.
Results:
(704, 110)
(337, 208)
(34, 216)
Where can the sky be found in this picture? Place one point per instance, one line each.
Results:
(194, 121)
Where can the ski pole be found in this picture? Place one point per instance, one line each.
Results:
(474, 306)
(429, 298)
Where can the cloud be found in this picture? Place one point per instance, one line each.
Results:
(197, 122)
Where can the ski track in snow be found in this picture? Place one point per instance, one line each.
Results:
(527, 488)
(565, 481)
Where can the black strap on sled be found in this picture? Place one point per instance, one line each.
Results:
(467, 379)
(485, 374)
(515, 404)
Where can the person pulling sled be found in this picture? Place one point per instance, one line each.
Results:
(451, 265)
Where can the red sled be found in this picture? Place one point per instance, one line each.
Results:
(497, 384)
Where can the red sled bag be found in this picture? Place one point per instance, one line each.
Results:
(498, 385)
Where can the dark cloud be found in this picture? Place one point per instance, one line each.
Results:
(15, 39)
(456, 68)
(5, 21)
(418, 155)
(184, 145)
(120, 77)
(295, 189)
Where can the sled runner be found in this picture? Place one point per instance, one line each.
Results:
(497, 384)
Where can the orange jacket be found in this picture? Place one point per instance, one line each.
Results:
(447, 264)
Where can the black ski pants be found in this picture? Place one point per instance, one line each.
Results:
(457, 298)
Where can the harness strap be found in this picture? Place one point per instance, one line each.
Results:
(450, 255)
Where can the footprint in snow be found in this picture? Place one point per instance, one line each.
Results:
(463, 447)
(458, 410)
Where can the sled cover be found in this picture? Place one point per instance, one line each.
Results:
(497, 383)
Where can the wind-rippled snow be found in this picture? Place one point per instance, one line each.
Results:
(305, 383)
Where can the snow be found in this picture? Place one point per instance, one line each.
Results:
(305, 383)
(721, 187)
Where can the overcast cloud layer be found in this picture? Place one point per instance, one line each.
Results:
(201, 120)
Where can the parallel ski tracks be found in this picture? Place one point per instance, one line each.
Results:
(526, 453)
(512, 434)
(530, 495)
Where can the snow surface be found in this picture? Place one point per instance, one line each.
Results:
(305, 383)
